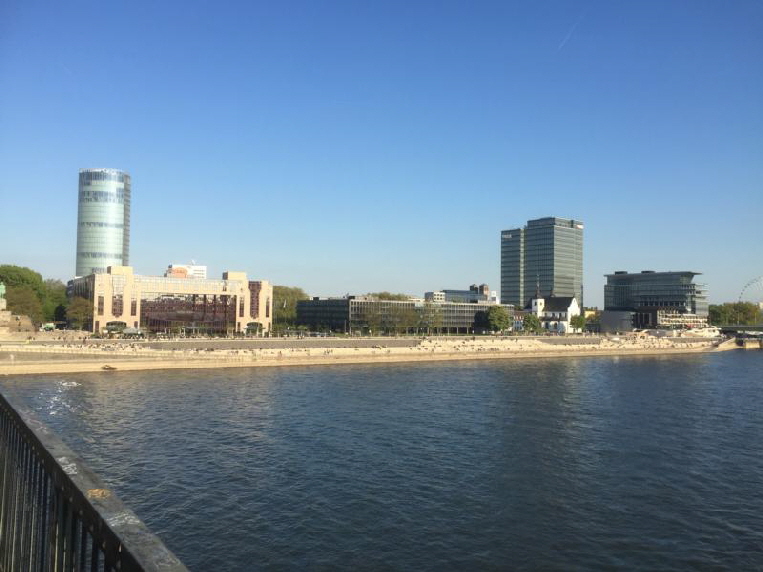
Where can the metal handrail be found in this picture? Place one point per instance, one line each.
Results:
(56, 514)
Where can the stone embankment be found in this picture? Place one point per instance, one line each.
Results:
(69, 357)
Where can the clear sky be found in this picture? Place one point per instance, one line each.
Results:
(359, 146)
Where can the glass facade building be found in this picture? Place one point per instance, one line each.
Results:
(673, 291)
(103, 220)
(545, 255)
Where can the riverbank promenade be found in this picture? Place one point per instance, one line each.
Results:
(70, 356)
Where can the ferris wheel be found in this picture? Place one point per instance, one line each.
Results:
(752, 291)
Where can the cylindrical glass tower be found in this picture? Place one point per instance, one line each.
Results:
(103, 220)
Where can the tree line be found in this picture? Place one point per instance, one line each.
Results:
(736, 314)
(41, 299)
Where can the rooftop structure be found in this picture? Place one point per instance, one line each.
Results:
(186, 271)
(474, 294)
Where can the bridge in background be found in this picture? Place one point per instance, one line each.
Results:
(731, 330)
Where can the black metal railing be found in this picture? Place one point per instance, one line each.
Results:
(57, 515)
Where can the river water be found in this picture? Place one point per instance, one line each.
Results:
(652, 463)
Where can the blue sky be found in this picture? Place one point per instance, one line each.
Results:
(362, 146)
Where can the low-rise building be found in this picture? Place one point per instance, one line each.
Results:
(370, 315)
(232, 305)
(473, 295)
(555, 312)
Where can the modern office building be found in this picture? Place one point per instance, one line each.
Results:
(652, 299)
(103, 220)
(367, 314)
(542, 259)
(178, 306)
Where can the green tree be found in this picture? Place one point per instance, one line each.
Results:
(371, 316)
(54, 300)
(409, 319)
(578, 322)
(22, 276)
(389, 296)
(531, 324)
(80, 312)
(23, 301)
(498, 318)
(734, 313)
(430, 317)
(285, 305)
(718, 314)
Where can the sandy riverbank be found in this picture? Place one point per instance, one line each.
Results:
(25, 360)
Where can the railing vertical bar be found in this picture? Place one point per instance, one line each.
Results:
(4, 482)
(45, 523)
(4, 493)
(73, 537)
(66, 556)
(40, 524)
(94, 555)
(58, 547)
(83, 547)
(23, 507)
(27, 507)
(31, 507)
(8, 497)
(33, 501)
(14, 504)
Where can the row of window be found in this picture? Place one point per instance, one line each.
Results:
(86, 176)
(102, 224)
(117, 196)
(99, 255)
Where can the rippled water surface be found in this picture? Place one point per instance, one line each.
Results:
(630, 463)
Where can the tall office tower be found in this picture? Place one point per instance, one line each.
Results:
(103, 220)
(545, 255)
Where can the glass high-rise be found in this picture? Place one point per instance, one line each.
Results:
(103, 220)
(545, 255)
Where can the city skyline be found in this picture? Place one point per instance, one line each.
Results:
(382, 147)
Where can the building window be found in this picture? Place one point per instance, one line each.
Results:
(117, 305)
(100, 306)
(267, 308)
